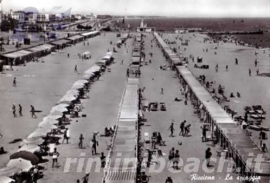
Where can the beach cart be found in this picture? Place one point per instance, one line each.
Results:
(86, 55)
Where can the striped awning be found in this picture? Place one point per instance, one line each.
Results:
(121, 176)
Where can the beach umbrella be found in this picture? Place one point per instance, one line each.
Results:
(72, 92)
(21, 164)
(107, 57)
(4, 179)
(60, 107)
(52, 118)
(33, 141)
(83, 81)
(67, 99)
(110, 53)
(87, 76)
(9, 171)
(47, 125)
(39, 132)
(26, 156)
(30, 148)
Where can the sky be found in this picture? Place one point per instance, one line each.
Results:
(175, 8)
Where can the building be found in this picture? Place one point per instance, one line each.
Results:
(31, 17)
(143, 28)
(91, 16)
(104, 16)
(18, 15)
(185, 30)
(43, 18)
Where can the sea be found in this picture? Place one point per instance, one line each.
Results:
(168, 24)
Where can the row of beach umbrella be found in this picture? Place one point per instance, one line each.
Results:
(24, 158)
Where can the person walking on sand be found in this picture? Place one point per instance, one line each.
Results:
(94, 145)
(227, 67)
(217, 68)
(55, 156)
(182, 126)
(75, 69)
(33, 111)
(256, 62)
(171, 128)
(257, 71)
(14, 82)
(208, 155)
(65, 137)
(161, 91)
(20, 110)
(236, 61)
(14, 110)
(249, 72)
(81, 141)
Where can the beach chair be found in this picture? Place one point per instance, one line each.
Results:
(51, 149)
(146, 137)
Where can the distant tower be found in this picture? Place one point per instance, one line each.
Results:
(142, 23)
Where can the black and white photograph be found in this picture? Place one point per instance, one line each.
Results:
(134, 91)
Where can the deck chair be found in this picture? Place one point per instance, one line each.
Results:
(51, 149)
(146, 137)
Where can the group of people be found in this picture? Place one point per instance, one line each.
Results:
(32, 111)
(108, 132)
(174, 156)
(184, 129)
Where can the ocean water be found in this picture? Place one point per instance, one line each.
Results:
(213, 24)
(216, 24)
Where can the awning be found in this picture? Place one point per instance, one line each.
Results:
(17, 54)
(90, 33)
(121, 176)
(60, 42)
(41, 48)
(74, 38)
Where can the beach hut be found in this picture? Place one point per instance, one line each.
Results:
(17, 57)
(75, 39)
(41, 50)
(60, 44)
